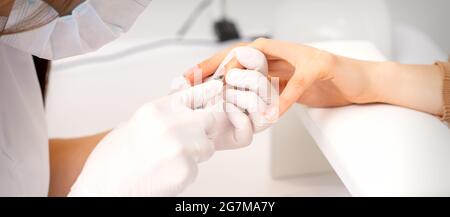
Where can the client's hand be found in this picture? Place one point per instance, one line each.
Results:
(305, 75)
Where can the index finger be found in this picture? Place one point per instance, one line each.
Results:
(209, 66)
(277, 49)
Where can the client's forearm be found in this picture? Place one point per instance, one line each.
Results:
(413, 86)
(417, 87)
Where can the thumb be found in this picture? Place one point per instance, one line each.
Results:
(243, 130)
(296, 86)
(203, 145)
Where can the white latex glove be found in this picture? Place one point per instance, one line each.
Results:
(249, 89)
(235, 127)
(157, 151)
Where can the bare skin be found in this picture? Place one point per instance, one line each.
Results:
(320, 79)
(67, 158)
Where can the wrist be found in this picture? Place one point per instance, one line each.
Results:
(417, 87)
(360, 82)
(382, 81)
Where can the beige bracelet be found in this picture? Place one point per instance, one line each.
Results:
(445, 67)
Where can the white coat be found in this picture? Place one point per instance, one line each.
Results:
(24, 152)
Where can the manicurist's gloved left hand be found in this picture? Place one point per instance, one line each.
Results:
(156, 152)
(249, 88)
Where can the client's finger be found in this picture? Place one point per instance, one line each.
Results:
(209, 66)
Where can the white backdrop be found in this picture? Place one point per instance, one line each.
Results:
(164, 17)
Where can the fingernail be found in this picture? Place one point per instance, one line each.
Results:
(271, 113)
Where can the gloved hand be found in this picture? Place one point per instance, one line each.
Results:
(157, 151)
(233, 126)
(249, 89)
(236, 128)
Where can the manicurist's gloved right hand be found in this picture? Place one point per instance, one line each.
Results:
(233, 126)
(156, 152)
(248, 93)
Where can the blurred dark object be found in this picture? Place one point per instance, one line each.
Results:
(226, 30)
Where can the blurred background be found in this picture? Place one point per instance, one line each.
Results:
(259, 17)
(97, 91)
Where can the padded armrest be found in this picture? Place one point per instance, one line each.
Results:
(381, 149)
